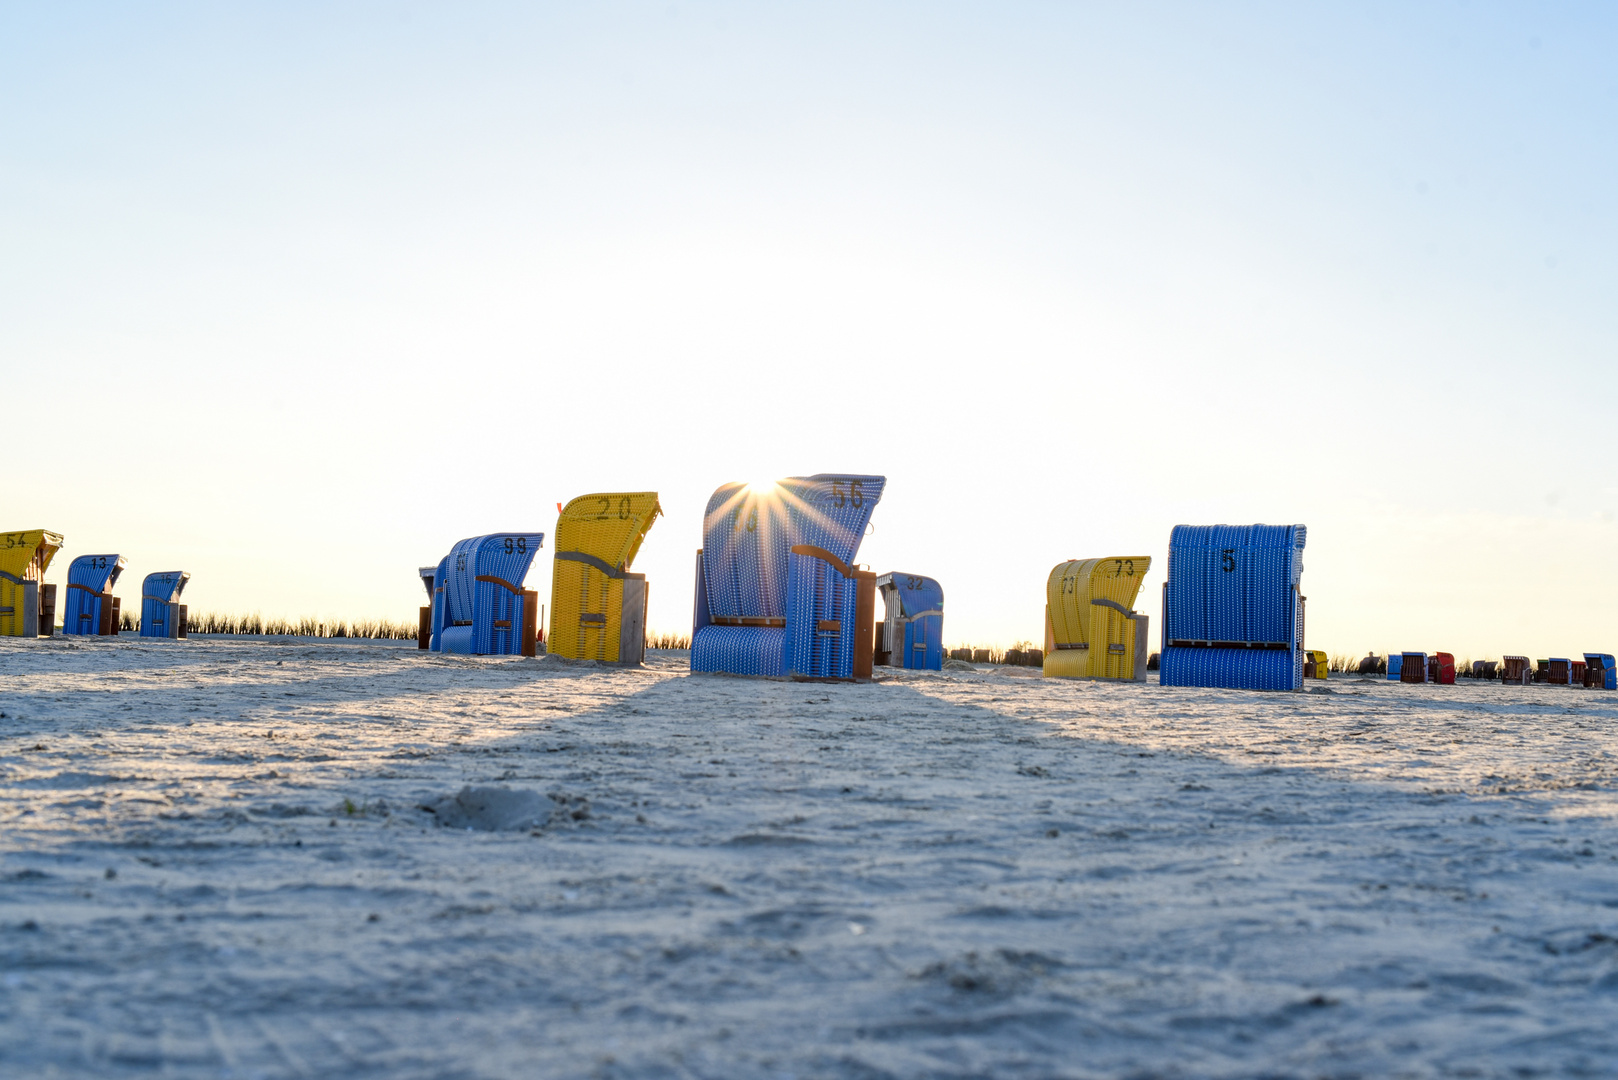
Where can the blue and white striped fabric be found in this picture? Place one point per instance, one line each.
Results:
(87, 578)
(747, 572)
(159, 602)
(478, 606)
(1232, 613)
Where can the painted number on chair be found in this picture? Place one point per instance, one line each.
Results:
(851, 493)
(752, 520)
(1123, 568)
(514, 545)
(1227, 560)
(914, 583)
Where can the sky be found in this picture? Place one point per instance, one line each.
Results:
(294, 296)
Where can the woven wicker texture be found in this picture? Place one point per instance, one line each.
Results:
(1607, 671)
(24, 557)
(1090, 640)
(88, 576)
(159, 602)
(483, 617)
(608, 526)
(914, 614)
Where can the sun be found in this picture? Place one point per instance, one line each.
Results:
(761, 485)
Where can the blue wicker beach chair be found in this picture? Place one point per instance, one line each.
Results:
(479, 605)
(91, 608)
(1232, 612)
(1600, 671)
(1395, 666)
(777, 592)
(912, 631)
(161, 613)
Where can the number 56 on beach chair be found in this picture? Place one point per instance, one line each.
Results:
(91, 608)
(1232, 612)
(479, 605)
(1091, 631)
(777, 591)
(27, 605)
(598, 608)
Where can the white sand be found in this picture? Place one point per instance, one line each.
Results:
(642, 873)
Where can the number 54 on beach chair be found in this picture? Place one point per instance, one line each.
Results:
(1232, 610)
(777, 591)
(27, 604)
(1091, 631)
(91, 608)
(480, 607)
(598, 608)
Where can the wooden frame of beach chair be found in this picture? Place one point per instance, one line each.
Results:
(27, 604)
(1091, 629)
(598, 608)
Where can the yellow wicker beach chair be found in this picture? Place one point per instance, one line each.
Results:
(27, 606)
(1091, 631)
(598, 609)
(1316, 664)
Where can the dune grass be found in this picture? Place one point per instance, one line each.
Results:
(256, 625)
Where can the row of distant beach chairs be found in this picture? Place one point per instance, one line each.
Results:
(28, 604)
(1596, 670)
(778, 594)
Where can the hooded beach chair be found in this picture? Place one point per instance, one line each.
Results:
(90, 607)
(1442, 669)
(598, 608)
(1413, 667)
(479, 605)
(1316, 664)
(1396, 667)
(424, 624)
(1600, 671)
(27, 604)
(1091, 629)
(1232, 612)
(911, 633)
(1516, 670)
(1561, 671)
(161, 613)
(777, 592)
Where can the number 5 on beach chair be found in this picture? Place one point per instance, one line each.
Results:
(777, 592)
(1232, 612)
(91, 608)
(1091, 631)
(598, 608)
(911, 634)
(161, 613)
(27, 605)
(479, 605)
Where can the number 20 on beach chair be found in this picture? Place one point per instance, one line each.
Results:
(27, 605)
(911, 633)
(1091, 629)
(480, 607)
(777, 591)
(161, 613)
(598, 608)
(1232, 610)
(90, 607)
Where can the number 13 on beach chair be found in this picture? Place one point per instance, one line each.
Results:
(1232, 610)
(598, 608)
(777, 591)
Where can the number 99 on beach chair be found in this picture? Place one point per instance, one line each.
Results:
(161, 613)
(27, 605)
(1091, 629)
(598, 608)
(911, 633)
(777, 591)
(90, 607)
(1232, 610)
(479, 605)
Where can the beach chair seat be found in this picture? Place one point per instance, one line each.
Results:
(90, 607)
(1091, 628)
(1600, 672)
(27, 604)
(911, 633)
(777, 593)
(598, 608)
(480, 607)
(161, 613)
(1233, 612)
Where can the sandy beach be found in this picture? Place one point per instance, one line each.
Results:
(295, 858)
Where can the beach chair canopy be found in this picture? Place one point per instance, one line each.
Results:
(24, 557)
(598, 608)
(165, 586)
(89, 578)
(479, 606)
(913, 620)
(1092, 630)
(1603, 671)
(160, 603)
(776, 593)
(1233, 613)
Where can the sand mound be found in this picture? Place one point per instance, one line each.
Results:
(492, 809)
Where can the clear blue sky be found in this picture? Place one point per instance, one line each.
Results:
(295, 296)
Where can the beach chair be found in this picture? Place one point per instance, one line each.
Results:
(1316, 664)
(90, 608)
(424, 622)
(1232, 612)
(598, 608)
(1413, 667)
(1516, 670)
(27, 604)
(1091, 628)
(1442, 669)
(777, 592)
(1396, 667)
(1542, 671)
(1600, 672)
(479, 605)
(911, 633)
(1559, 671)
(161, 613)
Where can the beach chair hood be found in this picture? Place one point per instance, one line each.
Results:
(598, 608)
